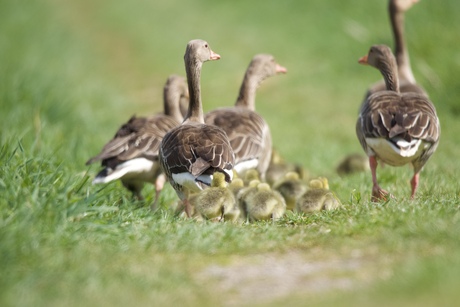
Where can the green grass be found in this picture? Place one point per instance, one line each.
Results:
(72, 72)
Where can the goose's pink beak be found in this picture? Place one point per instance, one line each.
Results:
(214, 56)
(363, 60)
(280, 69)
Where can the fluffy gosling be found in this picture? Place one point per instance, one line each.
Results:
(353, 163)
(262, 203)
(291, 187)
(318, 197)
(216, 202)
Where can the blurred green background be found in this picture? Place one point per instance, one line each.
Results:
(72, 71)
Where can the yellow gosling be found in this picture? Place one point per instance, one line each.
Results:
(216, 202)
(264, 204)
(318, 197)
(291, 187)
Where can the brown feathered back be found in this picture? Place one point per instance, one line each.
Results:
(389, 114)
(248, 132)
(139, 137)
(196, 149)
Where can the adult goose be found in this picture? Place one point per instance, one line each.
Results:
(407, 83)
(132, 154)
(192, 152)
(396, 128)
(247, 131)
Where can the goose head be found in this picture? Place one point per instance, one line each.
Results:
(250, 175)
(199, 51)
(236, 184)
(381, 57)
(218, 180)
(319, 183)
(263, 187)
(263, 66)
(292, 176)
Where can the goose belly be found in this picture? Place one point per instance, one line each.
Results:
(393, 155)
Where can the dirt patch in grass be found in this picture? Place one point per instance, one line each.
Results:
(263, 278)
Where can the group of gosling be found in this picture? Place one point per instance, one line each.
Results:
(221, 163)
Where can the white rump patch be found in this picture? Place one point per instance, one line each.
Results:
(191, 183)
(394, 155)
(141, 168)
(243, 166)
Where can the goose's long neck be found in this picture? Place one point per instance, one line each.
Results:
(401, 53)
(247, 95)
(388, 70)
(195, 109)
(171, 99)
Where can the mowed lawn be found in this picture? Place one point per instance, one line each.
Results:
(71, 72)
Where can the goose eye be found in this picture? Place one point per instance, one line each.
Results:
(206, 46)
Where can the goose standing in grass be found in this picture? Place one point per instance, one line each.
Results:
(216, 202)
(132, 155)
(407, 83)
(395, 128)
(191, 153)
(247, 131)
(263, 203)
(318, 197)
